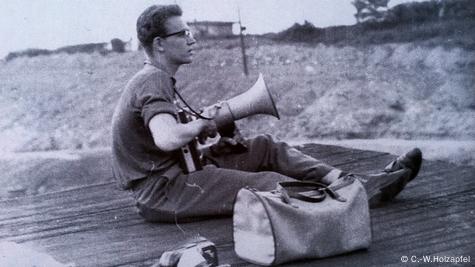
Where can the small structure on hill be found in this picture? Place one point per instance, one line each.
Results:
(211, 28)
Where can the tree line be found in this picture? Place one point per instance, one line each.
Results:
(377, 11)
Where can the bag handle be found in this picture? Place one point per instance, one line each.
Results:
(305, 191)
(316, 191)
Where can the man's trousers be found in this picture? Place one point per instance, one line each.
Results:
(211, 191)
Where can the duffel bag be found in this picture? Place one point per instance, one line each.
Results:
(301, 220)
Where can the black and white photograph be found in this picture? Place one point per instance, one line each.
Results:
(222, 133)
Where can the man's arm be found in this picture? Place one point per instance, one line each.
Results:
(169, 135)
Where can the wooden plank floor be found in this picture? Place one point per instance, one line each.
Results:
(96, 225)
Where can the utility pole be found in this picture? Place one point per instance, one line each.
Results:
(243, 46)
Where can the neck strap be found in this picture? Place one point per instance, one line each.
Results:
(192, 111)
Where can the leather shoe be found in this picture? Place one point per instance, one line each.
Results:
(412, 160)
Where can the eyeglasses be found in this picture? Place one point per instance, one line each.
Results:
(183, 33)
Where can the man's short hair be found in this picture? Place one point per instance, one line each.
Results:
(151, 23)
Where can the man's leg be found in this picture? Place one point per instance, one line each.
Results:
(265, 154)
(201, 194)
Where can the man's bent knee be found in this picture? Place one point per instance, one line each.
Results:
(155, 215)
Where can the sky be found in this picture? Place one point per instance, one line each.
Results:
(50, 24)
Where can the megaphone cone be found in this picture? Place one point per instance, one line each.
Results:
(256, 100)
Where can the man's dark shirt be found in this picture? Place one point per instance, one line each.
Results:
(134, 153)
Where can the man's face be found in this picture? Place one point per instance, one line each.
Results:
(177, 45)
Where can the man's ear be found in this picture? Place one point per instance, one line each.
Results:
(157, 44)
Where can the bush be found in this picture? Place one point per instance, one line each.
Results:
(32, 52)
(118, 45)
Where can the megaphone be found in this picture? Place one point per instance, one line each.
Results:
(256, 100)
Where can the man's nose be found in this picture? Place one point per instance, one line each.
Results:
(191, 40)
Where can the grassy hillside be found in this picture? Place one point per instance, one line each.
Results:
(392, 90)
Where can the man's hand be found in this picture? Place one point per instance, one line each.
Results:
(229, 143)
(209, 129)
(209, 126)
